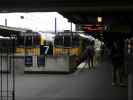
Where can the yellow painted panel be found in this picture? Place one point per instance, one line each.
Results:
(61, 51)
(19, 50)
(57, 51)
(34, 51)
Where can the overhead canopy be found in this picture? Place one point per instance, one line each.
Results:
(65, 5)
(8, 31)
(77, 11)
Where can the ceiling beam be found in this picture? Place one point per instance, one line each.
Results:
(45, 8)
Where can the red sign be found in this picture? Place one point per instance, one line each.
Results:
(93, 28)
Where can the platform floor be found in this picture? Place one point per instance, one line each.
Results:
(80, 85)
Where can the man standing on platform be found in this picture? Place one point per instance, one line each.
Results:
(117, 57)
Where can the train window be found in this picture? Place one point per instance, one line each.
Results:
(28, 61)
(37, 40)
(20, 41)
(6, 44)
(58, 41)
(67, 41)
(28, 41)
(75, 41)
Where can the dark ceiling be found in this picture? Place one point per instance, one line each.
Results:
(77, 11)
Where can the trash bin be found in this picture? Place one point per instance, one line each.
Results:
(28, 60)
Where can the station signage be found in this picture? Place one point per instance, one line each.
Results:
(93, 28)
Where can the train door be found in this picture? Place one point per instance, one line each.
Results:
(7, 70)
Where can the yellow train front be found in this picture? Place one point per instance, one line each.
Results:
(29, 52)
(67, 44)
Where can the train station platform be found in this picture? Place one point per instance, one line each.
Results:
(80, 85)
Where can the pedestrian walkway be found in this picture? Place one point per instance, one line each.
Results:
(82, 85)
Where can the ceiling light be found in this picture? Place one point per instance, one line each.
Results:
(99, 19)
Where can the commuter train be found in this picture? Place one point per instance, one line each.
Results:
(66, 43)
(28, 44)
(40, 54)
(63, 43)
(71, 43)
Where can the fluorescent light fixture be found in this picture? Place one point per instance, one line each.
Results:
(99, 19)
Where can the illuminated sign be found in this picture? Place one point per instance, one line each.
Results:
(93, 28)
